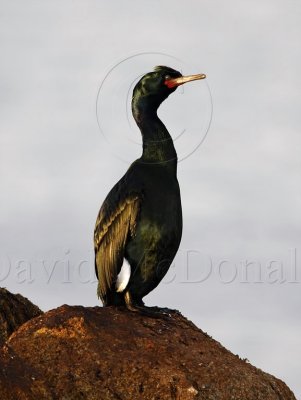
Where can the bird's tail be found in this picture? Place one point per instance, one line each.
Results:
(111, 298)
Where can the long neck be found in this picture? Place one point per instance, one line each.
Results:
(158, 145)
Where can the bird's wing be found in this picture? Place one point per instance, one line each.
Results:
(116, 221)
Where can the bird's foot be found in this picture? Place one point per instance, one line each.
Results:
(147, 311)
(153, 312)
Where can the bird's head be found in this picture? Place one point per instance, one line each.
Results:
(154, 87)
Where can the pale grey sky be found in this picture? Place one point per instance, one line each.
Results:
(241, 189)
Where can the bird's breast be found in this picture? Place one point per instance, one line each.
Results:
(160, 220)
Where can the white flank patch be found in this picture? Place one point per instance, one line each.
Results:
(123, 277)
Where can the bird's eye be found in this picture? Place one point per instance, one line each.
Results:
(166, 77)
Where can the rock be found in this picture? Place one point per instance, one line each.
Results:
(109, 353)
(14, 311)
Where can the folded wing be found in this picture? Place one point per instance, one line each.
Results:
(116, 222)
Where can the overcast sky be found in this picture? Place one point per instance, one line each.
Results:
(237, 274)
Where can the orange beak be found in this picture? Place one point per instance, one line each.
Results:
(174, 82)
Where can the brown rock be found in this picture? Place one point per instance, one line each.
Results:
(107, 353)
(14, 311)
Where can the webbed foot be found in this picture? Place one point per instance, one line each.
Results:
(139, 307)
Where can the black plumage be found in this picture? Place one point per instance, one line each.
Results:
(141, 218)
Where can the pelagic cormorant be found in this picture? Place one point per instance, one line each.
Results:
(139, 226)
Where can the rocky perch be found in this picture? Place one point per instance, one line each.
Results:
(14, 311)
(72, 353)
